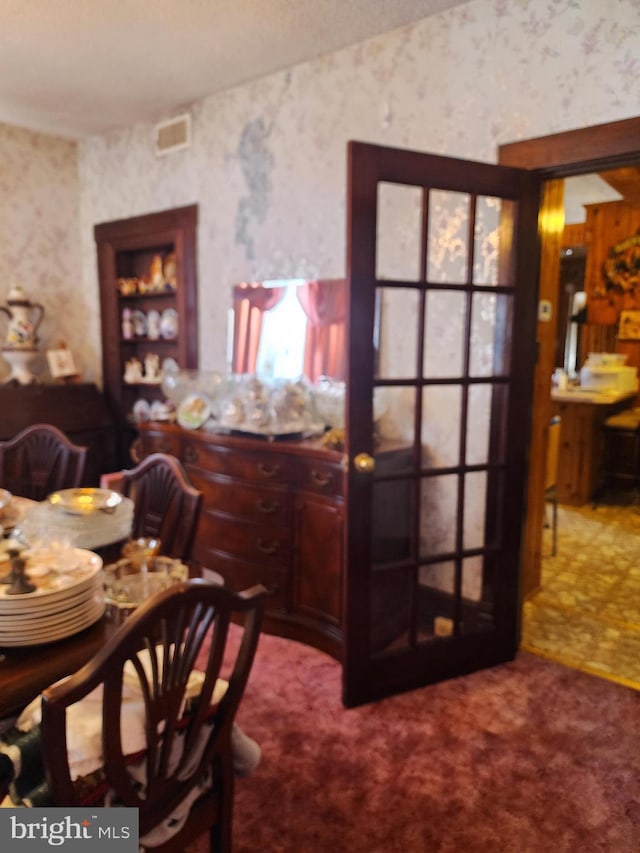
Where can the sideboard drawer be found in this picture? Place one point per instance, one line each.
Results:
(241, 574)
(256, 467)
(160, 442)
(251, 503)
(320, 477)
(266, 543)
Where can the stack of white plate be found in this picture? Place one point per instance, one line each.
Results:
(69, 597)
(85, 518)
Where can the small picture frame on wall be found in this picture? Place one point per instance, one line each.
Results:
(61, 363)
(629, 327)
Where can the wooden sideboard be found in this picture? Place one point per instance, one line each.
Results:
(273, 513)
(76, 408)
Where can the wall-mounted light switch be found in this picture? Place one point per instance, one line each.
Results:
(545, 310)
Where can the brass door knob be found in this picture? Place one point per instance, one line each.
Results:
(363, 463)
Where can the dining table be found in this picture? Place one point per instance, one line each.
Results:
(25, 670)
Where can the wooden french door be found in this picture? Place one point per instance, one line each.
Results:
(443, 272)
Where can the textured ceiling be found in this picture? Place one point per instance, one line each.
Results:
(77, 67)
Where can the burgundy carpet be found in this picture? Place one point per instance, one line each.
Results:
(527, 757)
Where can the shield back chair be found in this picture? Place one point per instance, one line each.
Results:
(551, 479)
(40, 460)
(166, 506)
(180, 774)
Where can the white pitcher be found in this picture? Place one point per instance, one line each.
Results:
(24, 319)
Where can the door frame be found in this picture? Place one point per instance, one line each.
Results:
(589, 149)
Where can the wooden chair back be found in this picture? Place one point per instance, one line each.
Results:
(187, 745)
(40, 460)
(166, 505)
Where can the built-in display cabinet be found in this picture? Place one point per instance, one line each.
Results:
(148, 303)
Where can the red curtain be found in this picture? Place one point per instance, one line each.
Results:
(325, 304)
(250, 302)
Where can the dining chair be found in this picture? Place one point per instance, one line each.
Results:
(179, 773)
(40, 460)
(166, 505)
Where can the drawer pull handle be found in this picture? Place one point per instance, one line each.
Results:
(268, 507)
(321, 479)
(268, 547)
(191, 454)
(268, 470)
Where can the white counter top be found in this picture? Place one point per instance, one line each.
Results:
(576, 394)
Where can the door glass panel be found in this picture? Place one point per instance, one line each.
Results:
(438, 515)
(399, 229)
(447, 254)
(483, 331)
(444, 334)
(441, 414)
(394, 412)
(435, 601)
(477, 605)
(392, 511)
(475, 503)
(397, 324)
(479, 412)
(390, 610)
(487, 237)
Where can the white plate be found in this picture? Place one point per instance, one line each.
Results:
(35, 638)
(139, 321)
(193, 411)
(141, 411)
(53, 610)
(81, 576)
(169, 324)
(170, 365)
(85, 501)
(153, 325)
(10, 626)
(5, 498)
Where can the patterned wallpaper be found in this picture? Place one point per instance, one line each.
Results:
(40, 239)
(267, 166)
(268, 161)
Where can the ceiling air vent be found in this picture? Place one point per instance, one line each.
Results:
(172, 135)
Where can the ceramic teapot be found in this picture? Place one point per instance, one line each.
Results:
(24, 319)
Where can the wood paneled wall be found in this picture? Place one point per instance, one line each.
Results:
(607, 225)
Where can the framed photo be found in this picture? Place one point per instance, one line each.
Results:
(61, 363)
(629, 328)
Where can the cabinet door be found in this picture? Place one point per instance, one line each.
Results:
(318, 560)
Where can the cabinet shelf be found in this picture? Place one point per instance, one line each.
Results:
(155, 294)
(128, 248)
(152, 342)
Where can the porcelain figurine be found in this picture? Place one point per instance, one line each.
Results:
(133, 371)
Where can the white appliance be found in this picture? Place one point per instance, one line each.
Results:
(606, 371)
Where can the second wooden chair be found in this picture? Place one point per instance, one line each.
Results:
(40, 460)
(166, 505)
